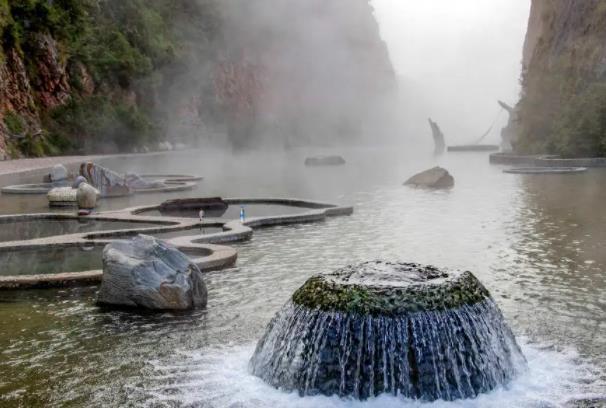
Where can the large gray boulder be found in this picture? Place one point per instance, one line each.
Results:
(436, 177)
(148, 273)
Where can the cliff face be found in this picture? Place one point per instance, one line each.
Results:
(89, 75)
(100, 76)
(320, 70)
(563, 105)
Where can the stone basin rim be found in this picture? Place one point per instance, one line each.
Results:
(207, 257)
(174, 182)
(220, 256)
(540, 170)
(451, 289)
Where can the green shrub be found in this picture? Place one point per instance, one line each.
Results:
(581, 129)
(14, 123)
(100, 123)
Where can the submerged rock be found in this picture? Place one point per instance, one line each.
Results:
(381, 327)
(436, 177)
(148, 273)
(325, 161)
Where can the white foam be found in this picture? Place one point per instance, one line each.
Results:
(220, 378)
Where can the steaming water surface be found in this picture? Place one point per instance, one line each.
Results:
(536, 242)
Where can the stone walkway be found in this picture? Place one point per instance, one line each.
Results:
(27, 165)
(17, 166)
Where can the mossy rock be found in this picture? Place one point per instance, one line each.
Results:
(385, 288)
(380, 327)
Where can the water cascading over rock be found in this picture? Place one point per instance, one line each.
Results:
(379, 327)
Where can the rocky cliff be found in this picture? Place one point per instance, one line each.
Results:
(563, 104)
(315, 71)
(101, 76)
(94, 76)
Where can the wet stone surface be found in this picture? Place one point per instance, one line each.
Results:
(386, 288)
(398, 328)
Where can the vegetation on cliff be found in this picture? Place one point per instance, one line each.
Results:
(563, 106)
(94, 72)
(113, 75)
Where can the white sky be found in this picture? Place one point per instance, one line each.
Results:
(455, 58)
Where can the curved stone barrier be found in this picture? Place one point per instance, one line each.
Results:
(545, 160)
(39, 188)
(171, 178)
(170, 187)
(473, 148)
(238, 231)
(206, 257)
(201, 247)
(405, 329)
(546, 170)
(174, 182)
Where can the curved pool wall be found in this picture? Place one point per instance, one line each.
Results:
(235, 230)
(473, 148)
(545, 160)
(173, 183)
(202, 248)
(546, 170)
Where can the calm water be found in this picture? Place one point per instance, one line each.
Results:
(35, 262)
(30, 229)
(537, 242)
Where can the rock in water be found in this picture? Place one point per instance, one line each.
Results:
(436, 177)
(148, 273)
(381, 327)
(79, 180)
(108, 182)
(86, 196)
(325, 161)
(58, 173)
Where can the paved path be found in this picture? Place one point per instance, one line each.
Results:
(36, 165)
(27, 165)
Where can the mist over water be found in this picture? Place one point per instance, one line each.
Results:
(540, 254)
(453, 60)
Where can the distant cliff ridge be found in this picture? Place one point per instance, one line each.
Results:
(563, 105)
(315, 71)
(101, 76)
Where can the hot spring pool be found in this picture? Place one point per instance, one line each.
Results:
(49, 261)
(538, 245)
(17, 230)
(233, 211)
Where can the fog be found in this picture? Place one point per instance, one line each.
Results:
(316, 73)
(454, 59)
(302, 72)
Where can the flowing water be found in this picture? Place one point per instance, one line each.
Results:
(536, 242)
(429, 355)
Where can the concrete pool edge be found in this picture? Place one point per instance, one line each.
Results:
(215, 257)
(545, 160)
(201, 248)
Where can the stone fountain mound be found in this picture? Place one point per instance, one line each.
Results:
(379, 327)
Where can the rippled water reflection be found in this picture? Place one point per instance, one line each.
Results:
(537, 242)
